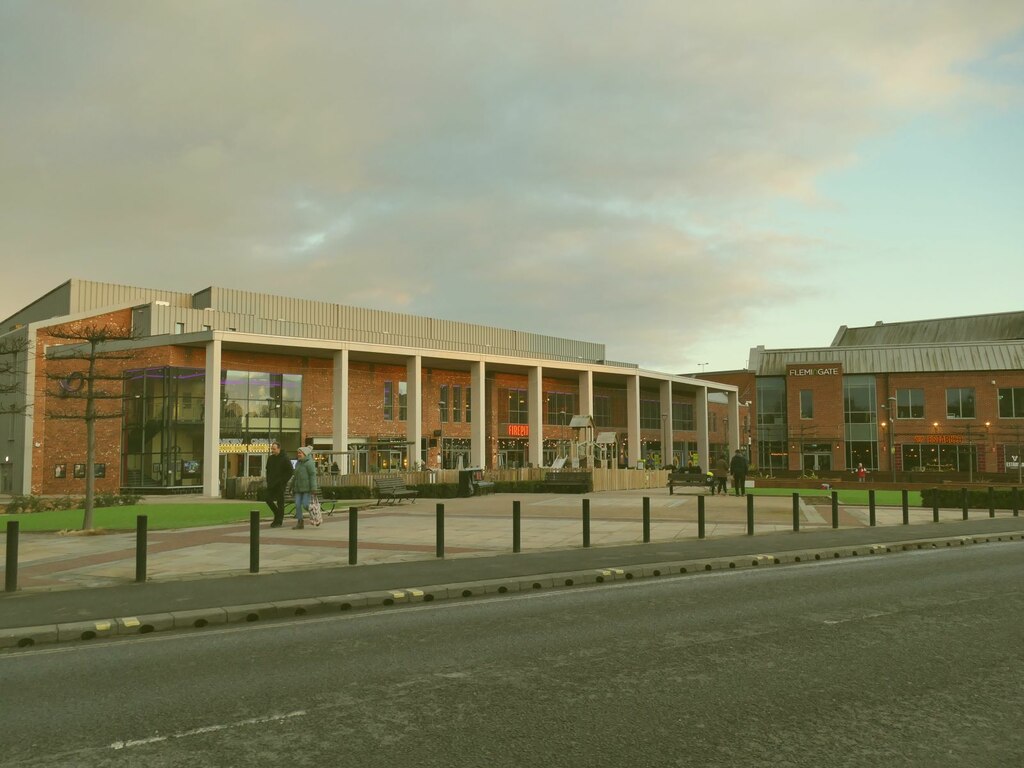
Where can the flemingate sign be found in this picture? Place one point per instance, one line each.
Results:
(816, 370)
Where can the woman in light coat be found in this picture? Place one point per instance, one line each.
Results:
(303, 483)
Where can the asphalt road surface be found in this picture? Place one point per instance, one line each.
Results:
(908, 660)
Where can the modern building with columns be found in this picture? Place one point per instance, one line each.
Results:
(207, 380)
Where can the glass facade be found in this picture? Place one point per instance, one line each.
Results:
(162, 427)
(257, 408)
(861, 420)
(772, 452)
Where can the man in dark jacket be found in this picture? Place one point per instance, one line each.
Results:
(738, 468)
(279, 472)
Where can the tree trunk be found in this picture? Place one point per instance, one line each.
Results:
(90, 444)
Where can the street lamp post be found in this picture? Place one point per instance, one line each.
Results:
(666, 440)
(561, 434)
(440, 434)
(892, 436)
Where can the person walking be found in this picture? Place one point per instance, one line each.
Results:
(738, 467)
(303, 483)
(279, 472)
(721, 475)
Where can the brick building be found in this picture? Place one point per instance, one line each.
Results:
(200, 384)
(911, 400)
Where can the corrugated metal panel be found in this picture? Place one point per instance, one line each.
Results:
(54, 304)
(995, 356)
(1003, 326)
(87, 295)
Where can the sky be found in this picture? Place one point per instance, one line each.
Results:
(678, 181)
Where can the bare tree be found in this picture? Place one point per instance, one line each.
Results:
(13, 352)
(92, 394)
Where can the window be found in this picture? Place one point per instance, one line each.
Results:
(561, 407)
(403, 401)
(860, 417)
(518, 411)
(909, 403)
(469, 405)
(389, 403)
(602, 411)
(771, 401)
(960, 403)
(806, 404)
(442, 403)
(1011, 403)
(456, 402)
(682, 416)
(179, 327)
(650, 414)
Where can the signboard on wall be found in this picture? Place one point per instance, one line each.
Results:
(518, 430)
(808, 370)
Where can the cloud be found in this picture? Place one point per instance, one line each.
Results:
(586, 169)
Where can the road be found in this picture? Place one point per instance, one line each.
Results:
(910, 660)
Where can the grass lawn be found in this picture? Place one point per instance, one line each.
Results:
(846, 496)
(161, 516)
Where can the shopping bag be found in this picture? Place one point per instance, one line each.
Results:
(316, 514)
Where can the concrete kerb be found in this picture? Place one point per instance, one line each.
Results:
(193, 619)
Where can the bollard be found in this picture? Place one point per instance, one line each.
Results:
(141, 532)
(517, 521)
(1015, 500)
(11, 572)
(353, 535)
(905, 494)
(835, 509)
(750, 515)
(872, 519)
(991, 501)
(935, 505)
(796, 512)
(586, 522)
(440, 530)
(254, 541)
(647, 520)
(963, 501)
(700, 516)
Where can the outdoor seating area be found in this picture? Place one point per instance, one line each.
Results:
(569, 482)
(392, 489)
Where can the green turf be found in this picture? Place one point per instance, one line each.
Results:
(160, 516)
(847, 496)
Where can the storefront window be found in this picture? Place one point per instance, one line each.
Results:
(162, 427)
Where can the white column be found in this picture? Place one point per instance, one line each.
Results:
(479, 455)
(339, 398)
(633, 419)
(666, 423)
(211, 419)
(733, 433)
(701, 415)
(534, 403)
(586, 386)
(414, 407)
(28, 436)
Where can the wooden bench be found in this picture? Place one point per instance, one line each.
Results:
(326, 505)
(686, 476)
(569, 482)
(472, 483)
(391, 490)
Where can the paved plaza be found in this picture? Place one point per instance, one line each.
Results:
(474, 527)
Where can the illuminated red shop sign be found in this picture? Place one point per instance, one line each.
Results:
(941, 439)
(518, 430)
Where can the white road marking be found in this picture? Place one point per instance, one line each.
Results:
(207, 729)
